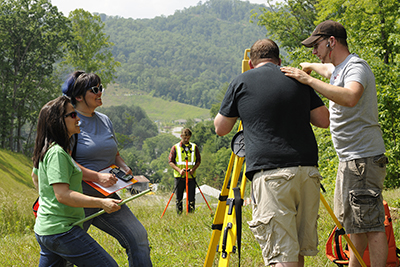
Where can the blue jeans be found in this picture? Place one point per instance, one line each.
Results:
(128, 230)
(75, 246)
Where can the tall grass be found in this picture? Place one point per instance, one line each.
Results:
(16, 216)
(174, 240)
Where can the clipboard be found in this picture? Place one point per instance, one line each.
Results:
(112, 189)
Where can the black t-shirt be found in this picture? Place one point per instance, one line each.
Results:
(275, 112)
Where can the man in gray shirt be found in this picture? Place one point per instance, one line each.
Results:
(356, 136)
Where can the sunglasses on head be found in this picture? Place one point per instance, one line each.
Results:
(73, 114)
(97, 89)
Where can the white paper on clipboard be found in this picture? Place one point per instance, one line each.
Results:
(112, 189)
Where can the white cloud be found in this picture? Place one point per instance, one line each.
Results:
(129, 8)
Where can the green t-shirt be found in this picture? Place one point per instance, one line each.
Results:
(53, 217)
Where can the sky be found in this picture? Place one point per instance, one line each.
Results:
(136, 9)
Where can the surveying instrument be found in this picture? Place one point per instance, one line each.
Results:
(186, 149)
(228, 216)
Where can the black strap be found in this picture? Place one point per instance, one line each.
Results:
(337, 246)
(73, 152)
(238, 210)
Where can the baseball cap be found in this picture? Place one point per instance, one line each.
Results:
(326, 28)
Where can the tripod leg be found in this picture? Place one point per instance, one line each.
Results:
(222, 208)
(170, 199)
(230, 218)
(219, 216)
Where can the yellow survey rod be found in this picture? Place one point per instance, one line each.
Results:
(339, 226)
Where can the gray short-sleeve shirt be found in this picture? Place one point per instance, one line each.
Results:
(356, 132)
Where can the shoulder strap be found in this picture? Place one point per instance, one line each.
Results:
(73, 152)
(340, 253)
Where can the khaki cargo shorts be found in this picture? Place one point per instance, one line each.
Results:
(358, 202)
(285, 213)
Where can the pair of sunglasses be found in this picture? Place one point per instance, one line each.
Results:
(73, 114)
(97, 89)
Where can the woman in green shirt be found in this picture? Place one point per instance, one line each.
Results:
(60, 191)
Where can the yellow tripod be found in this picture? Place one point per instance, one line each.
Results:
(225, 220)
(225, 215)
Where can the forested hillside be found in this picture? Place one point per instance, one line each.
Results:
(187, 56)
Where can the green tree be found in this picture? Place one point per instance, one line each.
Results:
(373, 29)
(131, 124)
(90, 48)
(202, 132)
(133, 158)
(289, 21)
(184, 57)
(215, 153)
(31, 35)
(218, 99)
(154, 147)
(160, 170)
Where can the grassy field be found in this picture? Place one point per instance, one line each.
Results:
(175, 240)
(179, 241)
(156, 108)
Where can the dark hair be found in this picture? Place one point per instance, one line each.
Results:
(78, 83)
(342, 41)
(51, 128)
(186, 131)
(263, 50)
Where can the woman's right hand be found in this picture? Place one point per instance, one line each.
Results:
(110, 205)
(107, 179)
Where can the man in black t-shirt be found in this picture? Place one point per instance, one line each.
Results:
(281, 154)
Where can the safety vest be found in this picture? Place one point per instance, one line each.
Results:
(180, 158)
